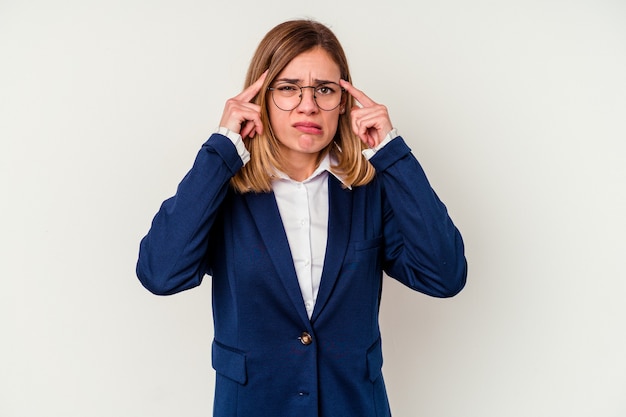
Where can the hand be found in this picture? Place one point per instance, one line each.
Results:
(370, 121)
(242, 116)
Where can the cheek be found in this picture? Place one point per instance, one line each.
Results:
(333, 124)
(276, 119)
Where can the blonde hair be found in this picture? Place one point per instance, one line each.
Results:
(279, 46)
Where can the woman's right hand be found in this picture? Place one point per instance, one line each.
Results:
(242, 116)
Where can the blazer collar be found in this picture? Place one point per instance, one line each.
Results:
(267, 217)
(339, 225)
(265, 212)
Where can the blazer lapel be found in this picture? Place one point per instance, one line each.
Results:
(265, 212)
(339, 225)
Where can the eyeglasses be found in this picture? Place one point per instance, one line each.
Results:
(288, 96)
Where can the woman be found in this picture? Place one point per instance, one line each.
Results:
(295, 207)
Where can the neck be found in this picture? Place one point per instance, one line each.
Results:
(300, 170)
(299, 166)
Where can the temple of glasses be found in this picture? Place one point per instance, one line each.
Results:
(287, 96)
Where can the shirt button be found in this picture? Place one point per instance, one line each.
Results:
(305, 338)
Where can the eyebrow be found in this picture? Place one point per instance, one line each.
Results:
(297, 80)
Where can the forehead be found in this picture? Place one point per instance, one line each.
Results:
(314, 64)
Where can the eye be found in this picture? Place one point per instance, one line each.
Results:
(287, 89)
(325, 90)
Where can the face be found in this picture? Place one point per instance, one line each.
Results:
(304, 131)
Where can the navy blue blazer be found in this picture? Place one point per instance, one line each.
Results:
(270, 358)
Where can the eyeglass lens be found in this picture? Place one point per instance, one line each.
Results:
(288, 96)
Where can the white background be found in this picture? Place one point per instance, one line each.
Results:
(516, 109)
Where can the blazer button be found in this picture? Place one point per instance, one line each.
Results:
(305, 338)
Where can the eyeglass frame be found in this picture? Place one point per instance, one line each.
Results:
(314, 87)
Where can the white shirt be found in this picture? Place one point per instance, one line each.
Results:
(303, 208)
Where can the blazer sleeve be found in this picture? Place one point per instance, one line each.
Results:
(172, 256)
(423, 248)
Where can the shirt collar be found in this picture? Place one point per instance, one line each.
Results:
(324, 166)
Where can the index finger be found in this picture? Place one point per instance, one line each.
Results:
(253, 89)
(357, 94)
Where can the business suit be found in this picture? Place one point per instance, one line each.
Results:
(270, 358)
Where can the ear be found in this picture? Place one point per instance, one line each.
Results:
(342, 105)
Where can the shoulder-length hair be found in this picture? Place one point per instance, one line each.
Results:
(279, 46)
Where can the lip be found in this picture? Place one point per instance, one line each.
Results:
(308, 127)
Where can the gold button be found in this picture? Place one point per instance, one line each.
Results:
(306, 338)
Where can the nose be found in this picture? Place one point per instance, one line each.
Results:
(307, 101)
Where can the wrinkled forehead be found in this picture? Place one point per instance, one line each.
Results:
(315, 66)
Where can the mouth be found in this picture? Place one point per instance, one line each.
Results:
(308, 127)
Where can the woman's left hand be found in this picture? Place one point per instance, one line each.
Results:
(370, 121)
